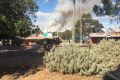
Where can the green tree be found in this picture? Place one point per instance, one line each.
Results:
(15, 18)
(110, 8)
(66, 35)
(36, 30)
(87, 23)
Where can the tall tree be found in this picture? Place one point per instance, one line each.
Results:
(36, 30)
(110, 8)
(66, 35)
(15, 18)
(88, 24)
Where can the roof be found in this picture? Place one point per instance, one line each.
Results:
(37, 37)
(112, 34)
(114, 29)
(34, 38)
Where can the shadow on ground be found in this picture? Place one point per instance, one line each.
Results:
(17, 59)
(112, 75)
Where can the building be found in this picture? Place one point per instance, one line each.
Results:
(97, 37)
(31, 40)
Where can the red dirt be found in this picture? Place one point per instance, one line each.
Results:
(46, 75)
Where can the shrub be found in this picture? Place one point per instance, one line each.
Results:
(39, 41)
(72, 58)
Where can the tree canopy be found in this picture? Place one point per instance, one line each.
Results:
(110, 8)
(66, 35)
(15, 18)
(88, 25)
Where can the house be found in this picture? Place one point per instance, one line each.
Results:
(97, 37)
(31, 40)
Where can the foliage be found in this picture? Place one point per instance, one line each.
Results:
(75, 59)
(66, 35)
(39, 41)
(86, 19)
(36, 29)
(110, 8)
(15, 18)
(87, 23)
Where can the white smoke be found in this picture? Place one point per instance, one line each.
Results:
(63, 13)
(61, 18)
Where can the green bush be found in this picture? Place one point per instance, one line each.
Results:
(39, 41)
(72, 58)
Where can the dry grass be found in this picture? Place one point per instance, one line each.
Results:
(46, 75)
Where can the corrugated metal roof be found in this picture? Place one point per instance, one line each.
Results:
(112, 34)
(37, 37)
(34, 37)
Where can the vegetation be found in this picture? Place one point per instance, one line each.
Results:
(66, 35)
(72, 58)
(110, 8)
(88, 25)
(36, 30)
(15, 18)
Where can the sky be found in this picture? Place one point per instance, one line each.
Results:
(47, 6)
(56, 15)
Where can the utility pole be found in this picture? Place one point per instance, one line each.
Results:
(80, 16)
(57, 33)
(73, 30)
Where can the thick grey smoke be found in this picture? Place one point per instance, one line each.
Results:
(62, 17)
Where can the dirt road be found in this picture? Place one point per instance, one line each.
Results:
(16, 56)
(17, 59)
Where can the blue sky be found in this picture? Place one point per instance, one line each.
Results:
(47, 5)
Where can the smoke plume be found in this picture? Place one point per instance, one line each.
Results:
(61, 18)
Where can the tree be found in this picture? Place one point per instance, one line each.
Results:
(86, 19)
(66, 35)
(87, 23)
(110, 8)
(36, 30)
(15, 18)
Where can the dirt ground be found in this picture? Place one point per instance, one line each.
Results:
(46, 75)
(12, 56)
